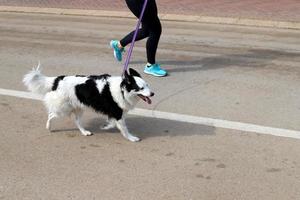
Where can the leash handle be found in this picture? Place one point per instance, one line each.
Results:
(134, 37)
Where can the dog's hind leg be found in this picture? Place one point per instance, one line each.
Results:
(121, 125)
(50, 117)
(78, 115)
(110, 124)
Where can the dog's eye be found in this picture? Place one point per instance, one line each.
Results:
(141, 88)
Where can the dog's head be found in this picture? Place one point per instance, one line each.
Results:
(135, 87)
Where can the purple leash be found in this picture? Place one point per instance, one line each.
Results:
(134, 37)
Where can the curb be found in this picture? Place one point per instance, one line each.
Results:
(169, 17)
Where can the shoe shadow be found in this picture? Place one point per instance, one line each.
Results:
(254, 58)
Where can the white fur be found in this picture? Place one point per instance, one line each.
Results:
(38, 83)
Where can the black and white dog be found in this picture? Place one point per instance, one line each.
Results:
(112, 96)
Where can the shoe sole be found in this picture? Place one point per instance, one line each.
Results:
(157, 75)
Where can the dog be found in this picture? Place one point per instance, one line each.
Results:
(112, 96)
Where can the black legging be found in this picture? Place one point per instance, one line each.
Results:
(151, 27)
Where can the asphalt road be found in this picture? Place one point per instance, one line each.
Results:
(235, 73)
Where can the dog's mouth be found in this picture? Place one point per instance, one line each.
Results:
(144, 98)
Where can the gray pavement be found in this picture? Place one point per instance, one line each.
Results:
(225, 72)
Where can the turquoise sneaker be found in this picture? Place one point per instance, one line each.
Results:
(155, 70)
(117, 51)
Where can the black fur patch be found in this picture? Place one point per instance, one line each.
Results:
(56, 82)
(129, 83)
(103, 102)
(97, 77)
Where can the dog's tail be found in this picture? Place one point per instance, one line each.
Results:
(38, 83)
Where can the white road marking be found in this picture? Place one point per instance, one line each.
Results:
(217, 123)
(20, 94)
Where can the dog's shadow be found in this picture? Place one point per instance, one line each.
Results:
(145, 127)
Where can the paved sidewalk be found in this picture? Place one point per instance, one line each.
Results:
(281, 10)
(233, 73)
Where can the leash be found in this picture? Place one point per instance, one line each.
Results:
(134, 37)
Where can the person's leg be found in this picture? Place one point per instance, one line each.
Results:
(136, 7)
(155, 30)
(153, 40)
(142, 34)
(118, 46)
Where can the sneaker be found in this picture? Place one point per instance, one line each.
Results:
(117, 51)
(155, 70)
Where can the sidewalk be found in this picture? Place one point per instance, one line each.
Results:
(219, 10)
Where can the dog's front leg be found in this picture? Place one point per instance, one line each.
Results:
(121, 125)
(78, 124)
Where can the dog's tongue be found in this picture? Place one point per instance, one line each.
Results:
(148, 100)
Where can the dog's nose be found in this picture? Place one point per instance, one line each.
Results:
(151, 94)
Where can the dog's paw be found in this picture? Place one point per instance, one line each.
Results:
(133, 138)
(86, 133)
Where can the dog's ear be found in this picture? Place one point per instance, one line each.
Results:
(126, 77)
(132, 72)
